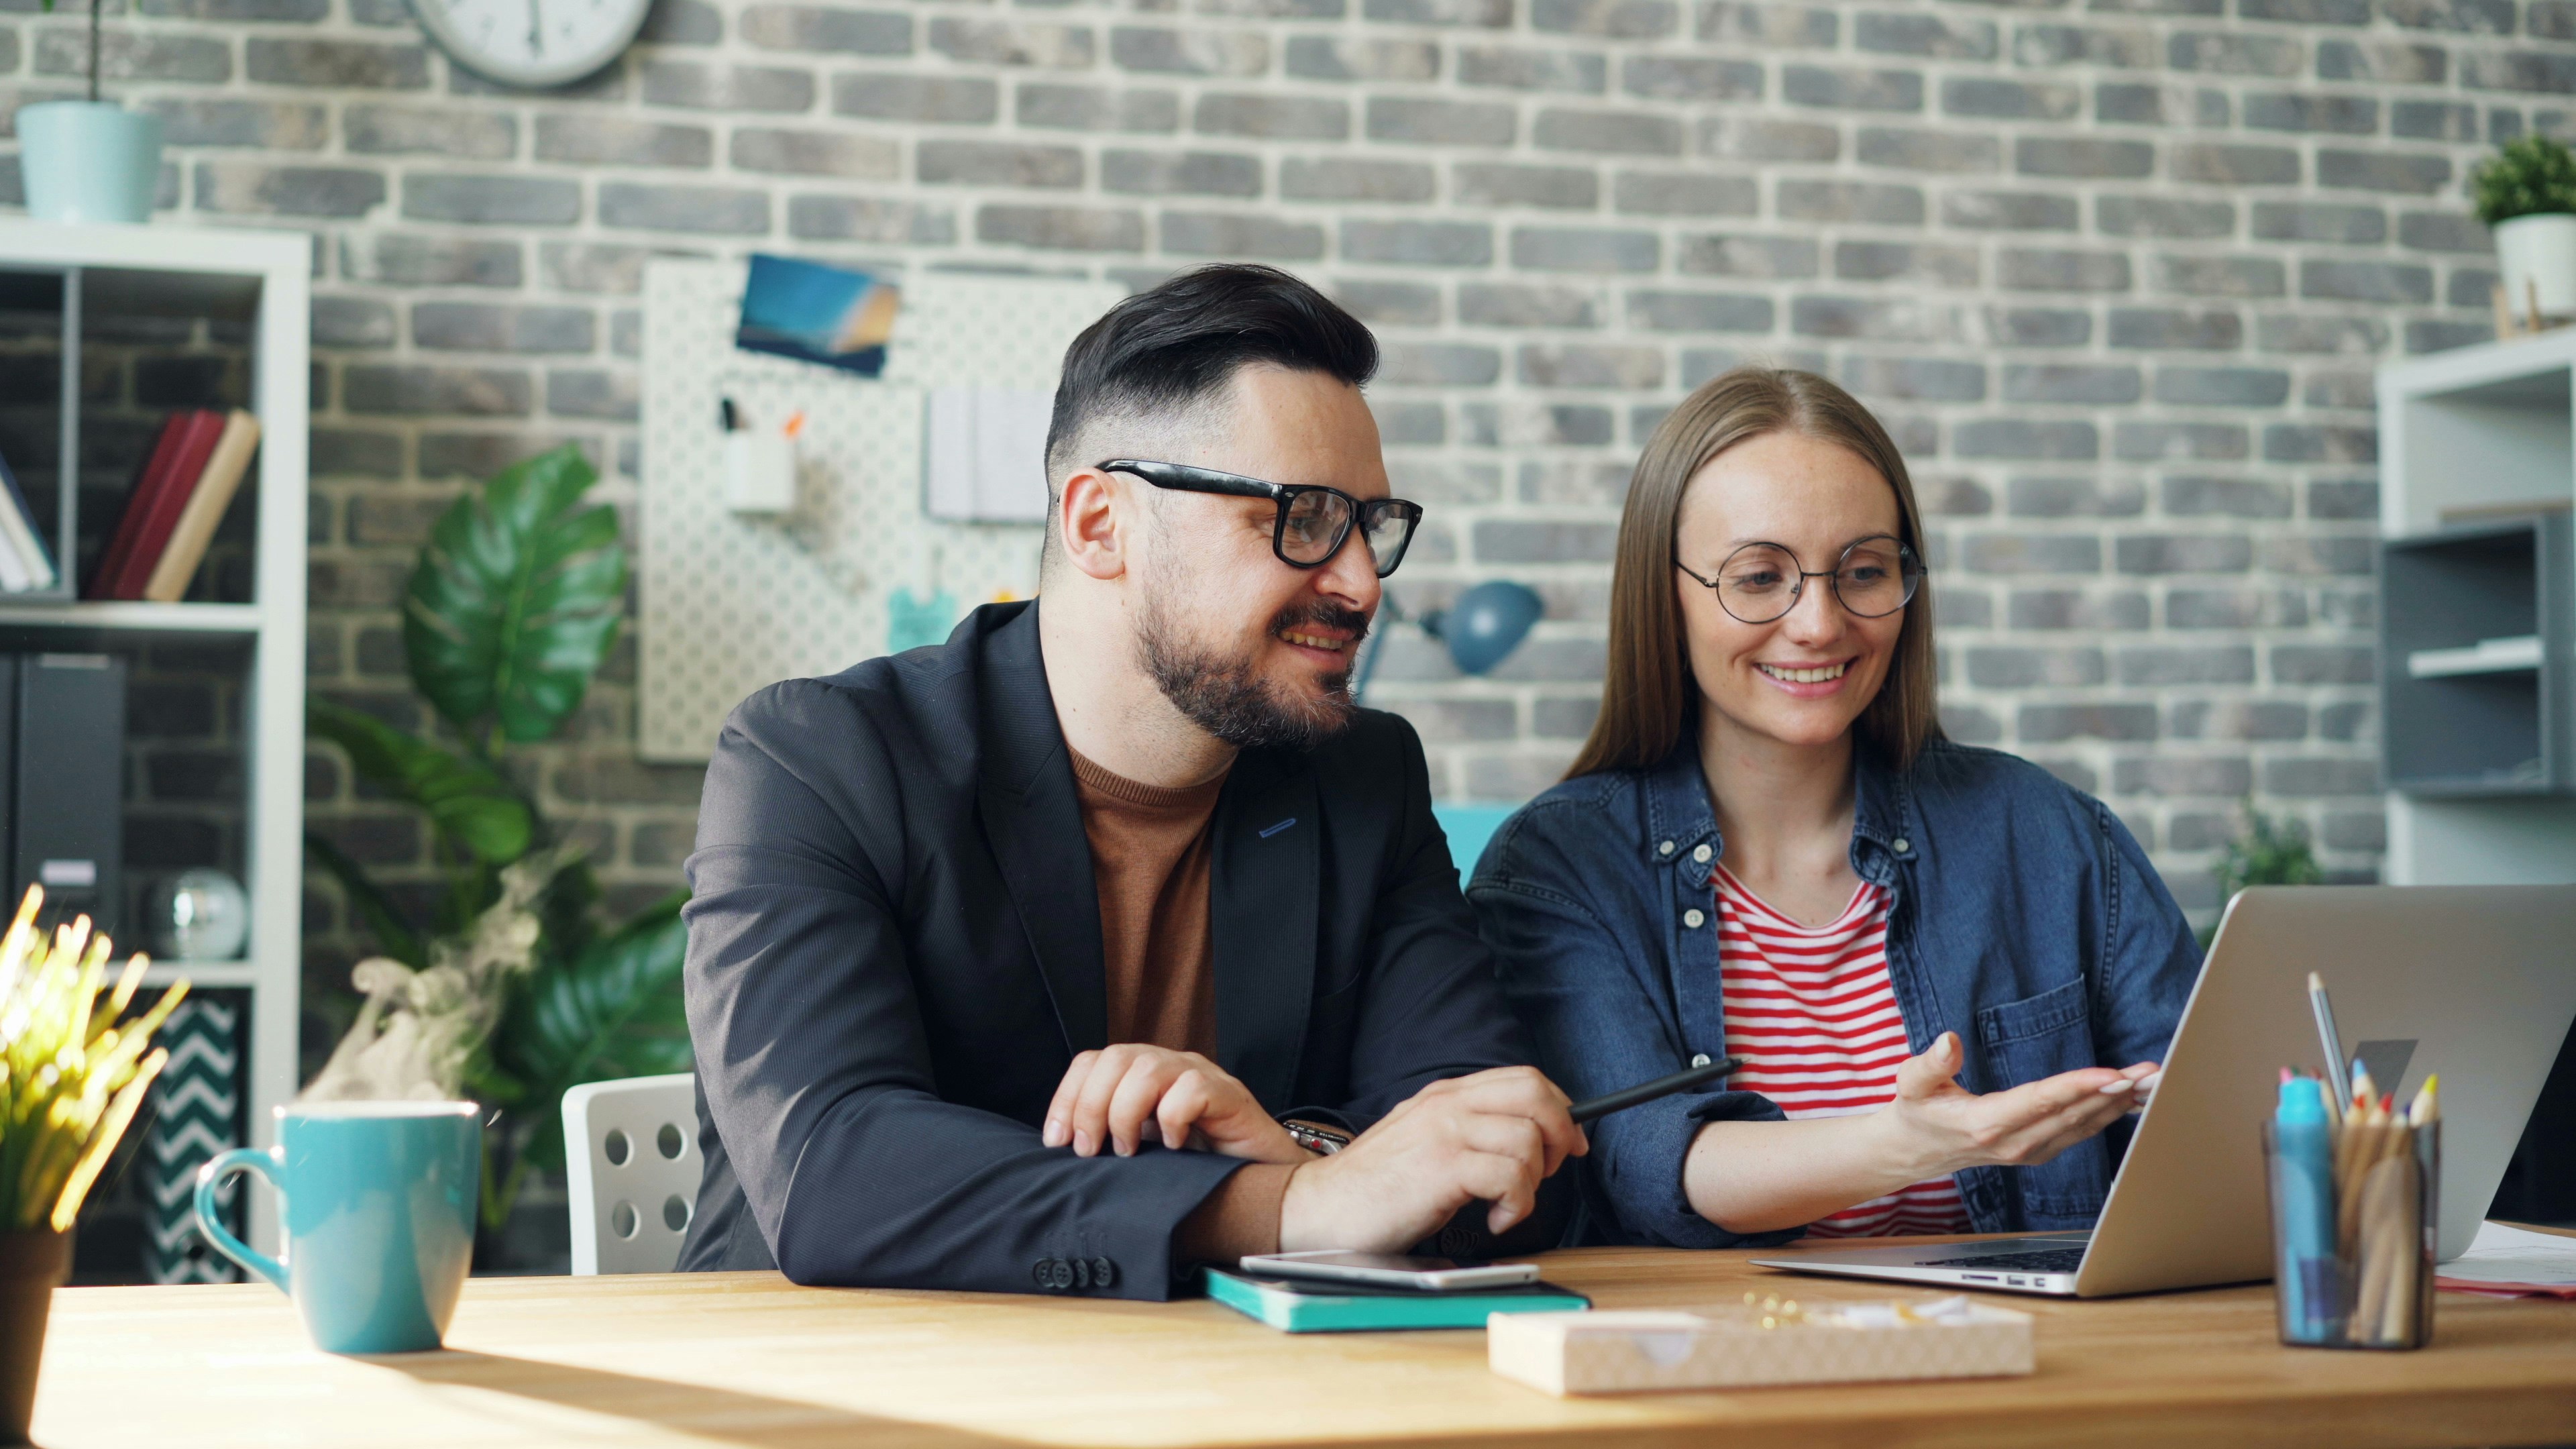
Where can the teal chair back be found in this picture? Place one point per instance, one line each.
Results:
(1468, 828)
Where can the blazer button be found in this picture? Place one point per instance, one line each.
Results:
(1694, 918)
(1044, 1272)
(1103, 1272)
(1082, 1272)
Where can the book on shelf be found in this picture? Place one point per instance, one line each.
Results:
(152, 510)
(213, 492)
(26, 565)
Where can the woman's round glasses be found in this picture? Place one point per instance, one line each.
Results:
(1761, 582)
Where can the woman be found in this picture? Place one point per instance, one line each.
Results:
(1947, 972)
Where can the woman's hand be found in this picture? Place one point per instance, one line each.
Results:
(1940, 1127)
(1110, 1097)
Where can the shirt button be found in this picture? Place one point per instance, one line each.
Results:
(1666, 848)
(1903, 845)
(1702, 854)
(1700, 1060)
(1694, 918)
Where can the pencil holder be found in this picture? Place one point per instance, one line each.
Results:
(2354, 1222)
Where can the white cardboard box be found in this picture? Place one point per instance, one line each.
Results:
(1636, 1351)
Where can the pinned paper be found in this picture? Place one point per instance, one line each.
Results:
(984, 455)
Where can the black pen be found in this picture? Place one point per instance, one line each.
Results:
(1643, 1092)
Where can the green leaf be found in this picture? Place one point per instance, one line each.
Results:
(516, 599)
(613, 1011)
(466, 800)
(2530, 175)
(394, 935)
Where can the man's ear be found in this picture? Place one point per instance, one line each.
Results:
(1092, 517)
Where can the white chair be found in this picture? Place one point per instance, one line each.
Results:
(632, 1163)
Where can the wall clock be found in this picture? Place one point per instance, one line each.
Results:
(532, 43)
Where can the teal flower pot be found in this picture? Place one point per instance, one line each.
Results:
(89, 161)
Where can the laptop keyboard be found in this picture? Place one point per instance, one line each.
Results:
(2046, 1260)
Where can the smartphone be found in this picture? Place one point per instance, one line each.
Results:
(1389, 1270)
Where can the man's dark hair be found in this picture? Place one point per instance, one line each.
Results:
(1178, 345)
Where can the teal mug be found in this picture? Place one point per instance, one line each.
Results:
(376, 1201)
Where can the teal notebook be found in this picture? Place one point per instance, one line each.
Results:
(1349, 1307)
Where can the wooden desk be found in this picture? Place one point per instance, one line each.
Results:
(748, 1359)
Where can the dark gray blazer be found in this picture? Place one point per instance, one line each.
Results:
(894, 953)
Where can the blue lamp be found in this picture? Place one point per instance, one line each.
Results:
(1481, 628)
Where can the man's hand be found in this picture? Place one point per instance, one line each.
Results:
(1111, 1097)
(1493, 1136)
(1942, 1127)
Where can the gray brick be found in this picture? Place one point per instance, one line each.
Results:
(1206, 234)
(2051, 723)
(603, 140)
(2094, 384)
(1628, 132)
(1684, 193)
(1952, 266)
(1624, 19)
(2343, 498)
(491, 200)
(1482, 14)
(2324, 664)
(809, 28)
(2397, 62)
(125, 55)
(353, 322)
(2082, 156)
(2443, 231)
(1514, 540)
(1986, 96)
(2126, 47)
(2027, 270)
(1774, 257)
(2236, 387)
(1340, 178)
(2355, 830)
(1276, 9)
(2316, 221)
(1588, 365)
(1851, 88)
(868, 219)
(815, 153)
(2153, 441)
(2190, 496)
(2022, 667)
(487, 327)
(2306, 12)
(683, 22)
(2229, 165)
(2346, 115)
(1407, 304)
(2173, 104)
(1584, 249)
(1061, 228)
(1441, 364)
(893, 96)
(271, 125)
(2149, 666)
(2221, 276)
(1671, 311)
(2183, 553)
(2433, 121)
(428, 131)
(419, 390)
(403, 259)
(2552, 19)
(1280, 118)
(2206, 328)
(1921, 379)
(2383, 171)
(1936, 36)
(1189, 52)
(2039, 326)
(1769, 26)
(2231, 777)
(2009, 211)
(1881, 320)
(2357, 281)
(2518, 70)
(1003, 42)
(1418, 243)
(2075, 498)
(704, 87)
(1095, 108)
(1850, 201)
(1499, 185)
(336, 64)
(592, 267)
(1410, 424)
(2316, 553)
(1440, 123)
(709, 210)
(992, 163)
(2020, 438)
(2366, 336)
(2160, 216)
(1185, 173)
(1755, 138)
(1690, 78)
(2234, 53)
(1925, 150)
(251, 188)
(1518, 304)
(305, 11)
(1321, 57)
(2240, 719)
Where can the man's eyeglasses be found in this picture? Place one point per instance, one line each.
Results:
(1760, 582)
(1314, 521)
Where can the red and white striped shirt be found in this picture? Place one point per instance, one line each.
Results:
(1813, 1014)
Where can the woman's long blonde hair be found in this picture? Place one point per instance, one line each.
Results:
(1648, 698)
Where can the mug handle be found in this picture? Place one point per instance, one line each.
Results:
(210, 1177)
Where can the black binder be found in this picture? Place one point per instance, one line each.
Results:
(66, 811)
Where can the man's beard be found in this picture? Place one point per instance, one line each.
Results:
(1227, 698)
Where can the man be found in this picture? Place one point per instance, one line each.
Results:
(979, 929)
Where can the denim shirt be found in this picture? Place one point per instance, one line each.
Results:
(2021, 915)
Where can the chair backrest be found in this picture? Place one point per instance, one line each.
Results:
(632, 1163)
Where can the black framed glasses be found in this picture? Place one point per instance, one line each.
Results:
(1314, 521)
(1761, 582)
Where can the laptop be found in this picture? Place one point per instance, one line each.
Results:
(2477, 983)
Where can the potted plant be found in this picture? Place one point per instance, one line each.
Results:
(89, 160)
(73, 1070)
(511, 988)
(2265, 853)
(2526, 194)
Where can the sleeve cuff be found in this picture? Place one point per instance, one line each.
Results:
(1641, 1166)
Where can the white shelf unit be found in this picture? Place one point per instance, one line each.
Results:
(2471, 440)
(264, 278)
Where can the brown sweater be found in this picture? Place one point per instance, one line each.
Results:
(1150, 852)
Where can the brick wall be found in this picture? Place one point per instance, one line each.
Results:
(2116, 273)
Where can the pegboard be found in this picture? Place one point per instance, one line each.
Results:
(730, 603)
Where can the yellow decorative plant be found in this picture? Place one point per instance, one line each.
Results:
(71, 1073)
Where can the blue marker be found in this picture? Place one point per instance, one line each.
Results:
(2303, 1211)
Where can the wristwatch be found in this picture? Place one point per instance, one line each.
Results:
(1316, 1138)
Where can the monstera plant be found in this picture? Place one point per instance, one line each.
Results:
(510, 986)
